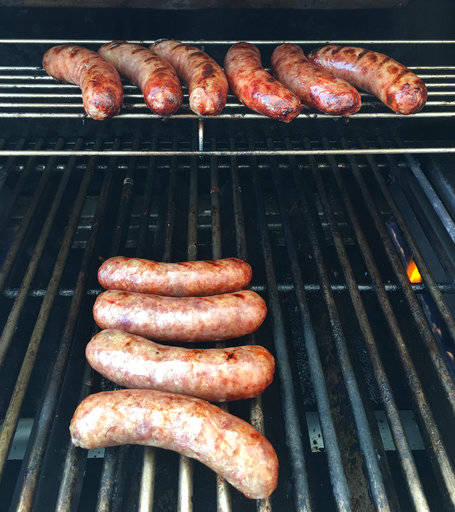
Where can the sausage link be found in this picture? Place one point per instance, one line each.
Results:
(187, 425)
(186, 279)
(102, 91)
(206, 81)
(213, 374)
(256, 88)
(154, 76)
(316, 87)
(396, 86)
(219, 317)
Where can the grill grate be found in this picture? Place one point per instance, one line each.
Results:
(346, 326)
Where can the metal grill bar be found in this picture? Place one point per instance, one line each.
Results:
(415, 307)
(12, 196)
(292, 426)
(407, 461)
(15, 246)
(256, 411)
(185, 496)
(75, 459)
(366, 441)
(12, 414)
(436, 443)
(25, 489)
(337, 474)
(108, 494)
(233, 41)
(147, 487)
(415, 385)
(259, 152)
(422, 265)
(222, 488)
(13, 317)
(11, 293)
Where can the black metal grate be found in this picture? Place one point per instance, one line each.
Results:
(309, 209)
(344, 322)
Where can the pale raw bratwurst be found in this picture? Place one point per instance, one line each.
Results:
(207, 84)
(154, 76)
(394, 84)
(256, 88)
(102, 91)
(216, 374)
(316, 87)
(185, 279)
(187, 425)
(218, 317)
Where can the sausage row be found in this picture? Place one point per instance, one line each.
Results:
(166, 404)
(325, 80)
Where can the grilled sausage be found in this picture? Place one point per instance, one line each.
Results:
(186, 279)
(102, 91)
(154, 76)
(219, 317)
(316, 87)
(212, 374)
(396, 86)
(256, 88)
(187, 425)
(206, 81)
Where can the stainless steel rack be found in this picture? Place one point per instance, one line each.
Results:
(27, 92)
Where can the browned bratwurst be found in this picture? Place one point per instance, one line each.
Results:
(316, 87)
(102, 91)
(256, 88)
(154, 76)
(219, 317)
(207, 84)
(215, 374)
(187, 425)
(396, 86)
(186, 279)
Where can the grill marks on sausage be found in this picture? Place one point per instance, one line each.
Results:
(213, 374)
(256, 88)
(206, 81)
(102, 91)
(394, 84)
(155, 77)
(189, 319)
(190, 278)
(316, 87)
(188, 425)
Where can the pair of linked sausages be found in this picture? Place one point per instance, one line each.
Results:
(323, 81)
(169, 410)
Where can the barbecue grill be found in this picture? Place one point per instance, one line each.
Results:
(349, 227)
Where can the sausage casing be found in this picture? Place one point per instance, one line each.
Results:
(185, 279)
(187, 425)
(394, 84)
(215, 374)
(154, 76)
(102, 91)
(316, 87)
(218, 317)
(256, 88)
(207, 84)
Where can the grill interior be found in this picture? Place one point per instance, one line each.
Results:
(361, 411)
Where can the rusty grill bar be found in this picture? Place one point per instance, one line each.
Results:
(345, 324)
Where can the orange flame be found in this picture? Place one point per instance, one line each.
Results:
(413, 273)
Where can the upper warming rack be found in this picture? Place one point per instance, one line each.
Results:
(28, 92)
